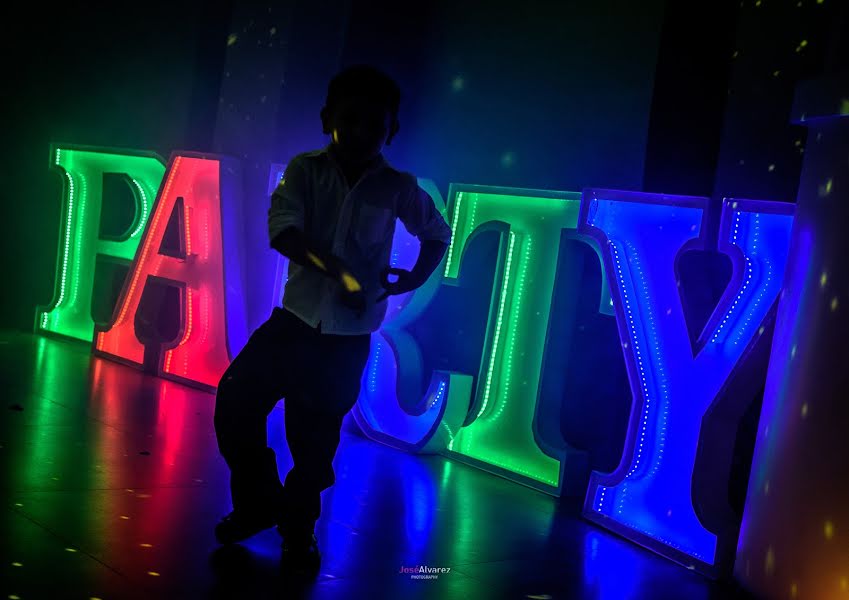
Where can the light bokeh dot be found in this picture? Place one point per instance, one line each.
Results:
(828, 530)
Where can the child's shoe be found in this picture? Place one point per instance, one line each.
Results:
(236, 527)
(301, 555)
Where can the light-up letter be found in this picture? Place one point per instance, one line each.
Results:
(79, 238)
(204, 196)
(676, 381)
(391, 408)
(501, 434)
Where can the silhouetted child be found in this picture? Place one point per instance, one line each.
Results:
(333, 215)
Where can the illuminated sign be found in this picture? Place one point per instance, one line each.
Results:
(390, 408)
(674, 379)
(206, 272)
(79, 237)
(502, 433)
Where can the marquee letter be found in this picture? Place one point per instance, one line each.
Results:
(648, 498)
(79, 237)
(202, 189)
(393, 374)
(502, 437)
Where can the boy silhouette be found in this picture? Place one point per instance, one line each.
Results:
(333, 215)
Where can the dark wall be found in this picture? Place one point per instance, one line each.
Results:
(542, 94)
(688, 104)
(778, 44)
(137, 76)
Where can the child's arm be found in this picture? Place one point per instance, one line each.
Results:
(421, 218)
(430, 255)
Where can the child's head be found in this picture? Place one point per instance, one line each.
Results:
(361, 112)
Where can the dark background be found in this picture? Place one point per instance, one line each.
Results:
(663, 96)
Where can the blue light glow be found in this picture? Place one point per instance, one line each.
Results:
(604, 555)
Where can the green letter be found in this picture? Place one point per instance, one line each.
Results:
(79, 237)
(501, 436)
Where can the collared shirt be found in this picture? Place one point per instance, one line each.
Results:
(356, 224)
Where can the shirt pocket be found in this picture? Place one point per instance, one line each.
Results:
(373, 225)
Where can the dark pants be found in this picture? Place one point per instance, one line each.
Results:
(319, 375)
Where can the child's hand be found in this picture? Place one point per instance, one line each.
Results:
(406, 282)
(356, 301)
(351, 294)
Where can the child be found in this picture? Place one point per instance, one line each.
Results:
(333, 215)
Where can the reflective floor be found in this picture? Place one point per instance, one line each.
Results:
(112, 484)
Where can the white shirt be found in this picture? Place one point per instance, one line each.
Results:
(355, 224)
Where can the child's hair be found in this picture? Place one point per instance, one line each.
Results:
(364, 80)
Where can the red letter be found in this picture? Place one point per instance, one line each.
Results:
(199, 353)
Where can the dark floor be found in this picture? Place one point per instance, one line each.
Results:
(112, 483)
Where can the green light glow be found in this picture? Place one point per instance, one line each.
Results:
(79, 241)
(502, 432)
